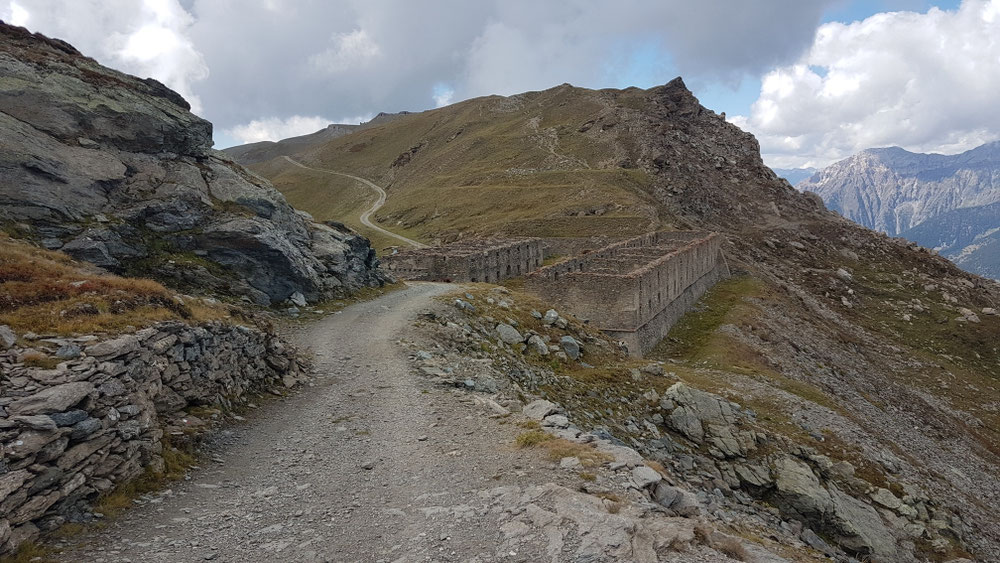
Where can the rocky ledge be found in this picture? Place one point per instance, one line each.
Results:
(117, 171)
(104, 415)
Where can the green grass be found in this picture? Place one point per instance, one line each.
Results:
(695, 336)
(328, 197)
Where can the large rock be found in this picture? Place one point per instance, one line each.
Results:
(115, 347)
(799, 491)
(7, 337)
(116, 171)
(570, 346)
(702, 416)
(537, 345)
(645, 476)
(857, 527)
(853, 524)
(509, 334)
(539, 409)
(52, 400)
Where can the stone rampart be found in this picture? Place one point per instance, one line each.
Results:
(635, 289)
(98, 419)
(481, 260)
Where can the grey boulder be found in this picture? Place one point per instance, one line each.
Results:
(509, 334)
(570, 346)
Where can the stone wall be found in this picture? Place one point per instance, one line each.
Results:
(490, 261)
(635, 289)
(575, 246)
(98, 419)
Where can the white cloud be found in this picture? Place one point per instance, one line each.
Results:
(276, 128)
(926, 82)
(147, 38)
(353, 57)
(350, 51)
(15, 14)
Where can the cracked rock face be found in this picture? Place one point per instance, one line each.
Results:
(117, 171)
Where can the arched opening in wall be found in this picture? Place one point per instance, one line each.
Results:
(474, 280)
(508, 269)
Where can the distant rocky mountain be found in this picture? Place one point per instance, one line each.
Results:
(940, 201)
(794, 175)
(969, 236)
(117, 171)
(892, 190)
(252, 153)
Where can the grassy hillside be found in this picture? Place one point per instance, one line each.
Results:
(489, 165)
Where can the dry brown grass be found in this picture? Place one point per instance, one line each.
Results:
(558, 448)
(532, 438)
(48, 292)
(731, 547)
(39, 360)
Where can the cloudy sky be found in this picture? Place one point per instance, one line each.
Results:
(815, 80)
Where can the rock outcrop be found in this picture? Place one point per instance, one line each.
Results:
(100, 419)
(117, 171)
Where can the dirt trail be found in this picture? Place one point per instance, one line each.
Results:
(293, 483)
(365, 217)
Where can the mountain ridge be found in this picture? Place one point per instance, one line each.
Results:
(251, 153)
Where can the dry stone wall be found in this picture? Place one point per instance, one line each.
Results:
(99, 418)
(635, 290)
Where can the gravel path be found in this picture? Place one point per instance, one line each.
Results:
(365, 217)
(372, 463)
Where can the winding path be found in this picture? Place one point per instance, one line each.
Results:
(366, 216)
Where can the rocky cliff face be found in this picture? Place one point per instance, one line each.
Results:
(116, 171)
(896, 191)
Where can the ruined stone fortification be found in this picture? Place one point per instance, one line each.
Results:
(635, 290)
(484, 260)
(99, 419)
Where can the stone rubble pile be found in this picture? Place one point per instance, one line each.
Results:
(104, 414)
